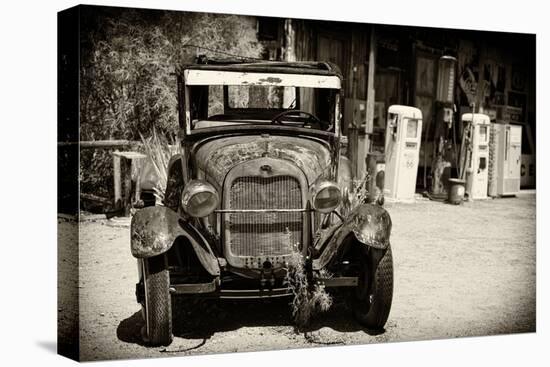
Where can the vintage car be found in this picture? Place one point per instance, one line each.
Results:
(259, 177)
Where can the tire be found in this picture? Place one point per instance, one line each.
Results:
(372, 301)
(158, 302)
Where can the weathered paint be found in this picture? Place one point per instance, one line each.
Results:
(370, 224)
(154, 230)
(272, 80)
(216, 77)
(219, 156)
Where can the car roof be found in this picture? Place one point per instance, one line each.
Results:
(265, 66)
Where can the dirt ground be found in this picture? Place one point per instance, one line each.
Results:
(460, 271)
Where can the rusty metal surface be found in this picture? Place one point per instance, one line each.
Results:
(154, 230)
(254, 293)
(338, 282)
(217, 157)
(194, 288)
(369, 223)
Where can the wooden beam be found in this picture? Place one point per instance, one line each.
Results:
(370, 82)
(97, 144)
(364, 139)
(95, 198)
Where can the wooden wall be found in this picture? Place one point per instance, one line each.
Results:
(345, 44)
(407, 66)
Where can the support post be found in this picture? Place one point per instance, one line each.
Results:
(116, 178)
(124, 164)
(354, 129)
(137, 167)
(127, 185)
(289, 55)
(365, 137)
(370, 84)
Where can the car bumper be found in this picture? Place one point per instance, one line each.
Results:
(215, 290)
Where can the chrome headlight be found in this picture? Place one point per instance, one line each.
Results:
(199, 198)
(325, 196)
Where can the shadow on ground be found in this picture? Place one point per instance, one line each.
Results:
(204, 318)
(50, 346)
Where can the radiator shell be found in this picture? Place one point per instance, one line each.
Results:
(250, 239)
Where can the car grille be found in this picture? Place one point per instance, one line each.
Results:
(269, 233)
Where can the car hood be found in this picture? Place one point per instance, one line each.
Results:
(216, 158)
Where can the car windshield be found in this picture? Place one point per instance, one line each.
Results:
(225, 99)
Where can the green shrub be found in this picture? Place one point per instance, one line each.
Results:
(127, 82)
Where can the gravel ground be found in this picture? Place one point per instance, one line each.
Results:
(460, 271)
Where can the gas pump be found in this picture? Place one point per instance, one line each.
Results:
(478, 131)
(508, 158)
(402, 150)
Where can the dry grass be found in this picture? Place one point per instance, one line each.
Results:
(157, 148)
(356, 196)
(309, 298)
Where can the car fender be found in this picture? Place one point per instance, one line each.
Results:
(369, 224)
(154, 230)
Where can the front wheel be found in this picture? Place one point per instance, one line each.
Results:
(373, 298)
(158, 302)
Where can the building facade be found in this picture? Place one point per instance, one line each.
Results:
(494, 74)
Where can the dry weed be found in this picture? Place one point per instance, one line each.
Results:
(309, 297)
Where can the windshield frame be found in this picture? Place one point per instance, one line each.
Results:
(200, 77)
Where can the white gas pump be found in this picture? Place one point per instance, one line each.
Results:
(402, 150)
(477, 164)
(508, 158)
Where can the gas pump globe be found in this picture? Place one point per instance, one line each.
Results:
(477, 163)
(403, 132)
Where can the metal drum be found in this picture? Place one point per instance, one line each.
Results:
(456, 191)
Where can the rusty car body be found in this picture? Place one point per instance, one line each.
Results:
(258, 177)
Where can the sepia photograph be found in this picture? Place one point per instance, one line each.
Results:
(235, 183)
